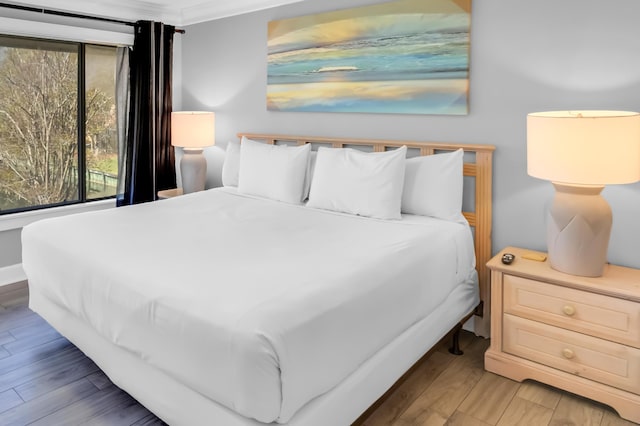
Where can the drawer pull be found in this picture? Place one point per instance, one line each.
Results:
(569, 310)
(568, 353)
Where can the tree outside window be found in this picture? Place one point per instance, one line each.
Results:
(41, 158)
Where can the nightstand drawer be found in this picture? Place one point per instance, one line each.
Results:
(596, 359)
(590, 313)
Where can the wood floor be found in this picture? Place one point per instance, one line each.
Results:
(45, 380)
(449, 390)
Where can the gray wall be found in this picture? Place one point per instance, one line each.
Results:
(10, 247)
(526, 56)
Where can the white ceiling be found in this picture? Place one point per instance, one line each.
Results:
(174, 12)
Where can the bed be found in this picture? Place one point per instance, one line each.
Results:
(258, 311)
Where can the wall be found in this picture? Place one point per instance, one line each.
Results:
(525, 57)
(10, 247)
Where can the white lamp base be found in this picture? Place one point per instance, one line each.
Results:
(578, 230)
(193, 170)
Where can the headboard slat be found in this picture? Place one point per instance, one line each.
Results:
(471, 218)
(470, 169)
(480, 218)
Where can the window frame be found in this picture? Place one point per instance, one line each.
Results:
(82, 184)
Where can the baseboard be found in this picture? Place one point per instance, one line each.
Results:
(12, 274)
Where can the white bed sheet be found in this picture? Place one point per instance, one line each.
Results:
(257, 305)
(179, 405)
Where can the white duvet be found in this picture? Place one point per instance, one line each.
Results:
(258, 305)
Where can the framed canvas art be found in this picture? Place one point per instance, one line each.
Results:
(399, 57)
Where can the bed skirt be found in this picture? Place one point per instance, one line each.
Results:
(179, 405)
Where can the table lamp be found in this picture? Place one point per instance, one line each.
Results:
(580, 152)
(193, 130)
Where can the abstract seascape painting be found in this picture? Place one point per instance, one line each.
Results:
(400, 57)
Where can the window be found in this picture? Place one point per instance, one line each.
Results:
(57, 123)
(100, 129)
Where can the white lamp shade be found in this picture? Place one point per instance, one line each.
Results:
(584, 147)
(193, 129)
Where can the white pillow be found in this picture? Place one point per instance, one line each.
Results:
(273, 171)
(307, 180)
(356, 182)
(433, 186)
(231, 165)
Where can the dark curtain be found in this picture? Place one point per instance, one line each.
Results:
(149, 163)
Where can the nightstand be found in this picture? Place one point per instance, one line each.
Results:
(579, 334)
(169, 193)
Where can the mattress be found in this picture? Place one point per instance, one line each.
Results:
(257, 305)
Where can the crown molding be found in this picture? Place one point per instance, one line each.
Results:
(210, 10)
(188, 13)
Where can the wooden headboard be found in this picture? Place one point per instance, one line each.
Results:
(481, 170)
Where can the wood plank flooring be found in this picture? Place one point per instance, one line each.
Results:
(446, 389)
(45, 380)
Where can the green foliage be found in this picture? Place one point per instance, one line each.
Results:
(107, 163)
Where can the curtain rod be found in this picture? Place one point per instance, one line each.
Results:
(72, 15)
